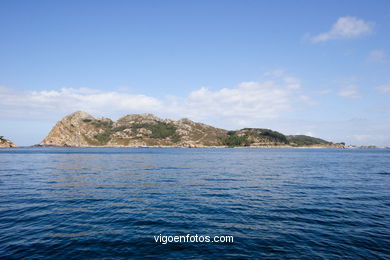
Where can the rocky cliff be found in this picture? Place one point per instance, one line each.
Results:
(136, 130)
(4, 143)
(81, 129)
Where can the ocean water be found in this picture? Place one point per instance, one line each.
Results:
(111, 203)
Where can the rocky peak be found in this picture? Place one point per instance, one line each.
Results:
(78, 115)
(4, 143)
(185, 121)
(139, 118)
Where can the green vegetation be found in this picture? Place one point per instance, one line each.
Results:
(234, 140)
(247, 136)
(267, 134)
(175, 138)
(102, 123)
(273, 136)
(104, 137)
(92, 141)
(160, 130)
(231, 132)
(119, 128)
(305, 140)
(107, 127)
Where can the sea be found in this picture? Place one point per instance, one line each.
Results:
(181, 203)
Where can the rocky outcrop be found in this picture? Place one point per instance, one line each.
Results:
(4, 143)
(70, 131)
(81, 129)
(137, 130)
(368, 147)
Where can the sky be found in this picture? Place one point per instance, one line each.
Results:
(319, 68)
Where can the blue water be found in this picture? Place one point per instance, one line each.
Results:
(109, 203)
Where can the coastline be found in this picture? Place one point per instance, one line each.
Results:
(209, 147)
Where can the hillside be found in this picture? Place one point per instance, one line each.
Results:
(136, 130)
(254, 137)
(81, 129)
(4, 143)
(299, 140)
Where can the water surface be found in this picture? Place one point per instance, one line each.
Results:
(277, 203)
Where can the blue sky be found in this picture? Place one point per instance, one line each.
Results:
(320, 68)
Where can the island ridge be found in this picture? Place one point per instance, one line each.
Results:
(80, 129)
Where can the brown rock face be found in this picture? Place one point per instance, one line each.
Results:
(69, 131)
(4, 143)
(81, 129)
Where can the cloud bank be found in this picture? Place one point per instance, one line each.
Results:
(345, 27)
(247, 101)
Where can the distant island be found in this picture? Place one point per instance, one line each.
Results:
(146, 130)
(5, 143)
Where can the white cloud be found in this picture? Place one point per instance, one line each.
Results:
(349, 91)
(250, 100)
(345, 27)
(40, 104)
(384, 88)
(246, 102)
(377, 56)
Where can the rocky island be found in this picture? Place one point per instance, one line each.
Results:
(146, 130)
(4, 143)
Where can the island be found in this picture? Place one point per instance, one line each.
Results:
(80, 129)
